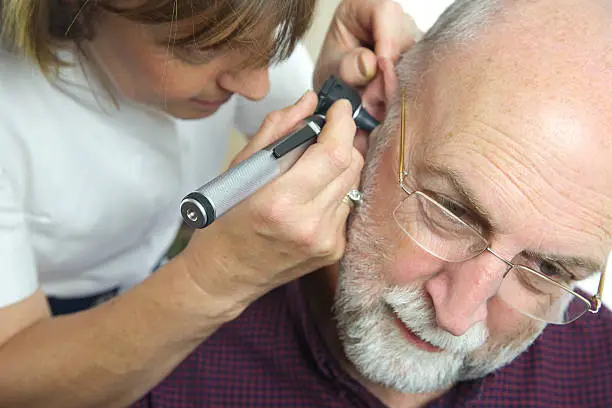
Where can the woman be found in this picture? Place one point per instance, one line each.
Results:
(99, 142)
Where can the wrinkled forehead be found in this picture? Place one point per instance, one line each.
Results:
(525, 114)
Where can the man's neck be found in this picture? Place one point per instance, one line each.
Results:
(319, 288)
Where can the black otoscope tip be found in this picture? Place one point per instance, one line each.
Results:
(365, 121)
(334, 89)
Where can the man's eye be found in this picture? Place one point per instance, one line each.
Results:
(554, 271)
(454, 207)
(548, 268)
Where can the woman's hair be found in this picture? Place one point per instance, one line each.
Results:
(268, 29)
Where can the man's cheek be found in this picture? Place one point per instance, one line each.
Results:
(413, 266)
(504, 321)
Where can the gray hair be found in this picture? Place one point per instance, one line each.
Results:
(462, 20)
(458, 25)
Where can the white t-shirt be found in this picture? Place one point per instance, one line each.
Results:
(89, 195)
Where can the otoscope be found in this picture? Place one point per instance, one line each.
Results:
(204, 205)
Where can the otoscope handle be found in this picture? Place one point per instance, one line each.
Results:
(201, 207)
(213, 199)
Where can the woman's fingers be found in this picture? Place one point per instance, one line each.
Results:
(358, 66)
(329, 157)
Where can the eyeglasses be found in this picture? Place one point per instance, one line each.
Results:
(540, 289)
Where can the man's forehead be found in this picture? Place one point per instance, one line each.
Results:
(560, 229)
(551, 165)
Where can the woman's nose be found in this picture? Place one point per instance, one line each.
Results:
(253, 84)
(461, 291)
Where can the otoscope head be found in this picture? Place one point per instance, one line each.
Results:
(334, 89)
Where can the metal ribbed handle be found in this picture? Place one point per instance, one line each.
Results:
(213, 199)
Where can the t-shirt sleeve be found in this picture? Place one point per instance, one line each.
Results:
(18, 275)
(289, 80)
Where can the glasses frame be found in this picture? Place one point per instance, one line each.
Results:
(594, 303)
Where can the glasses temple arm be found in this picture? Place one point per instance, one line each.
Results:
(596, 298)
(402, 140)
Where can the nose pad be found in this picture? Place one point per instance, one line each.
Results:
(461, 291)
(253, 84)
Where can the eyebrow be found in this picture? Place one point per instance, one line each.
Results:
(462, 189)
(584, 266)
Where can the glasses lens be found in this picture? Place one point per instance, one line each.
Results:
(437, 230)
(540, 298)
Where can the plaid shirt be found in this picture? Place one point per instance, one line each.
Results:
(273, 356)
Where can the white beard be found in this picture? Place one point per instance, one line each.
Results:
(379, 351)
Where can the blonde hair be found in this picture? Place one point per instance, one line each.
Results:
(38, 28)
(19, 24)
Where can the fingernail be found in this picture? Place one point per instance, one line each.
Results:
(302, 97)
(367, 72)
(347, 106)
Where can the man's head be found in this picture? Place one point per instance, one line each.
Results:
(508, 118)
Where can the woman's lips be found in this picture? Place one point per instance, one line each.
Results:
(414, 339)
(209, 104)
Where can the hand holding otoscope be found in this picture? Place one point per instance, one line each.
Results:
(201, 207)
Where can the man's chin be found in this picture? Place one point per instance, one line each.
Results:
(416, 375)
(381, 353)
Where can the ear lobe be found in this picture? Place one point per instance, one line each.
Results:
(379, 92)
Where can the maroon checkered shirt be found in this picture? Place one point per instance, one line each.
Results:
(273, 356)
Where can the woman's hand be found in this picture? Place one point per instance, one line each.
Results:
(361, 32)
(292, 226)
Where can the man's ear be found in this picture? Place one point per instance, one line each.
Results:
(378, 94)
(376, 98)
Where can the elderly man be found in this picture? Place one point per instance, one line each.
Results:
(488, 195)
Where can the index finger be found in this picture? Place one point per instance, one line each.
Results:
(330, 156)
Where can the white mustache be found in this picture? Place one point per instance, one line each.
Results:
(412, 309)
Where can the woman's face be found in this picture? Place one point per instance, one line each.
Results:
(144, 69)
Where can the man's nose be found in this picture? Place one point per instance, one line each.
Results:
(253, 84)
(461, 291)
